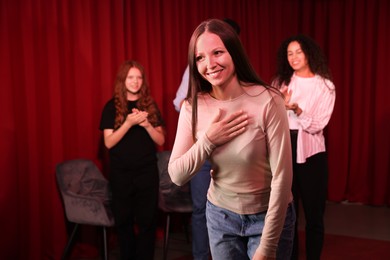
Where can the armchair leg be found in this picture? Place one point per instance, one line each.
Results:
(166, 237)
(70, 241)
(105, 247)
(185, 223)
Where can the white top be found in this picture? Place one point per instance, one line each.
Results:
(316, 97)
(182, 90)
(250, 174)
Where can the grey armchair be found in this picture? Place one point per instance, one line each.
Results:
(172, 198)
(86, 197)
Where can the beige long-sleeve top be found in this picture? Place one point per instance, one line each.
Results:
(250, 174)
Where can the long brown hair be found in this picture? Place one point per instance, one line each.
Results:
(145, 102)
(246, 74)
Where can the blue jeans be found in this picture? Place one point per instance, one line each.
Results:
(234, 236)
(199, 186)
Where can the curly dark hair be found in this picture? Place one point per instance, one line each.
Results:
(315, 57)
(145, 102)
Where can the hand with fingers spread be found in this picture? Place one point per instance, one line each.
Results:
(287, 97)
(222, 131)
(286, 93)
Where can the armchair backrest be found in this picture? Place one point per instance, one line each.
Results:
(83, 177)
(85, 192)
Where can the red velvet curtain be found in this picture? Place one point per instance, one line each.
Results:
(58, 61)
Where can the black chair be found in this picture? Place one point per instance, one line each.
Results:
(172, 198)
(86, 198)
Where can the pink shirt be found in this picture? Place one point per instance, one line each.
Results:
(250, 174)
(316, 97)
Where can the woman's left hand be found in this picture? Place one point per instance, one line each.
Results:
(294, 107)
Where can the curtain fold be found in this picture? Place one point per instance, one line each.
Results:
(58, 60)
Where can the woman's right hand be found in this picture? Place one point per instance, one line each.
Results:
(136, 118)
(222, 131)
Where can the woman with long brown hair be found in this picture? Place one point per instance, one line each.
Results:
(238, 122)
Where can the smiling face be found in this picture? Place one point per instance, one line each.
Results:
(133, 82)
(213, 61)
(297, 58)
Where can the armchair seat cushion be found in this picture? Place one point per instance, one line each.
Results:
(172, 198)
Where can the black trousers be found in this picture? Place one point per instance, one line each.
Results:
(310, 186)
(134, 203)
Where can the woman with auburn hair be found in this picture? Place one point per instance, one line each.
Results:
(132, 127)
(236, 121)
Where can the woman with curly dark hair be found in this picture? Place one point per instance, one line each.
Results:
(132, 126)
(304, 78)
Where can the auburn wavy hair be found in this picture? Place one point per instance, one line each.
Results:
(144, 103)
